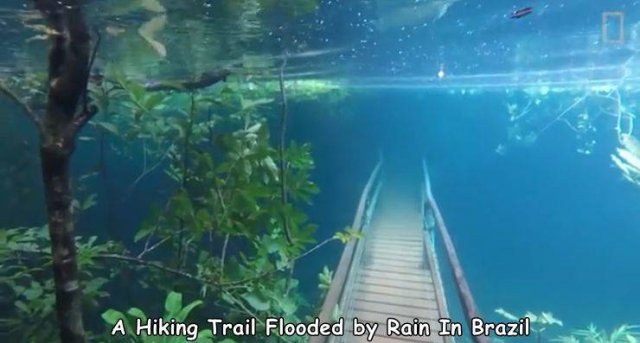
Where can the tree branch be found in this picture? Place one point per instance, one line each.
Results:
(212, 283)
(283, 162)
(28, 111)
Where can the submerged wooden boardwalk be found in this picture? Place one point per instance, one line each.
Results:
(392, 273)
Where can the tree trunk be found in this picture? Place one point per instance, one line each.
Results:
(69, 64)
(55, 175)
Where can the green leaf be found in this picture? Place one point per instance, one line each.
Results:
(184, 313)
(173, 304)
(205, 336)
(506, 314)
(138, 313)
(136, 91)
(89, 202)
(228, 298)
(144, 231)
(153, 100)
(22, 306)
(109, 127)
(257, 302)
(337, 313)
(34, 292)
(112, 316)
(247, 104)
(287, 305)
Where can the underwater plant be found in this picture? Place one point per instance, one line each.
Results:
(173, 310)
(622, 334)
(227, 226)
(627, 158)
(539, 323)
(26, 279)
(218, 231)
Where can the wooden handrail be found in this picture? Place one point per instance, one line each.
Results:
(342, 272)
(462, 287)
(434, 271)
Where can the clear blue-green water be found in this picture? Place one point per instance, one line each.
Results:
(518, 120)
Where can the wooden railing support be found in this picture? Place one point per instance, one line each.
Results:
(469, 308)
(342, 272)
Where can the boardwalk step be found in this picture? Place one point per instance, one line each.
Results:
(409, 293)
(412, 242)
(396, 252)
(392, 310)
(426, 304)
(386, 339)
(422, 277)
(382, 318)
(390, 282)
(388, 269)
(390, 252)
(394, 263)
(395, 239)
(388, 245)
(395, 257)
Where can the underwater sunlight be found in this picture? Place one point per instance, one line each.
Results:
(322, 171)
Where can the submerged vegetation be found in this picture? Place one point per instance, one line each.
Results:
(582, 116)
(541, 322)
(225, 229)
(622, 334)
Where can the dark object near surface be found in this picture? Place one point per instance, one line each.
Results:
(205, 80)
(521, 12)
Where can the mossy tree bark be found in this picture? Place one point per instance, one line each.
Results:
(69, 65)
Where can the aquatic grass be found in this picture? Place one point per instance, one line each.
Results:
(622, 334)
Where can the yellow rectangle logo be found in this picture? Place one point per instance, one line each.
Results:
(613, 27)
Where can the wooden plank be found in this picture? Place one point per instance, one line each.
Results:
(392, 310)
(395, 291)
(404, 252)
(400, 284)
(395, 236)
(427, 304)
(406, 236)
(416, 261)
(395, 239)
(394, 246)
(417, 265)
(409, 271)
(381, 318)
(424, 277)
(382, 336)
(387, 339)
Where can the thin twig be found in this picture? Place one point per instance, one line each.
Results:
(186, 275)
(155, 229)
(153, 247)
(283, 162)
(149, 264)
(89, 67)
(28, 111)
(80, 121)
(146, 171)
(223, 255)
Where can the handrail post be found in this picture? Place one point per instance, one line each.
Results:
(462, 287)
(337, 284)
